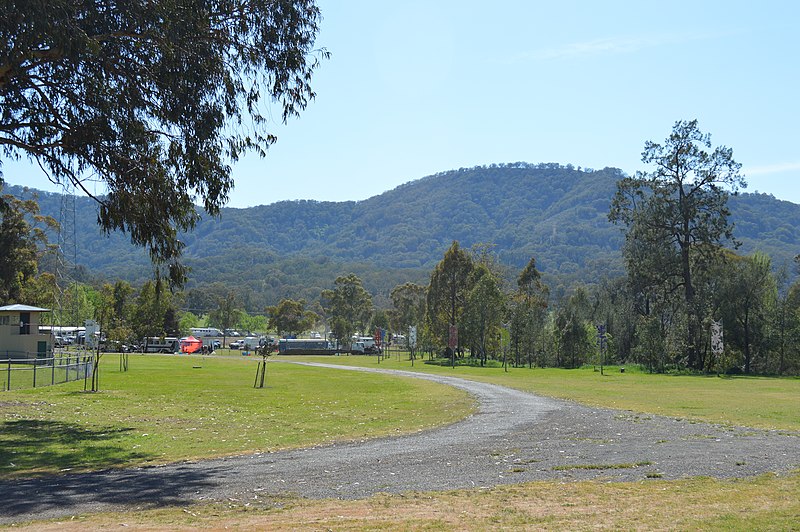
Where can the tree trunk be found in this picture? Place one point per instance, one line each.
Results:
(747, 353)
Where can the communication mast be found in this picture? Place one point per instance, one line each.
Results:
(66, 260)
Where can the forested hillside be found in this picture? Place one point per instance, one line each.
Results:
(555, 213)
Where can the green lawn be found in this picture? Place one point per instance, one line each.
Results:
(168, 408)
(761, 402)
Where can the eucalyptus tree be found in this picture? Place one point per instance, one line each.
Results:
(153, 99)
(290, 317)
(785, 324)
(447, 293)
(751, 293)
(23, 239)
(528, 311)
(573, 329)
(348, 305)
(114, 311)
(615, 308)
(789, 361)
(380, 319)
(408, 302)
(676, 213)
(484, 311)
(253, 323)
(154, 312)
(226, 315)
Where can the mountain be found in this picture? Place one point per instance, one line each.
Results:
(557, 214)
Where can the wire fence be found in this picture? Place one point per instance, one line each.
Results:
(20, 371)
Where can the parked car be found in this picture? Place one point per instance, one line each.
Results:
(372, 350)
(59, 341)
(237, 344)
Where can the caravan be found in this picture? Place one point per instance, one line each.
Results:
(199, 332)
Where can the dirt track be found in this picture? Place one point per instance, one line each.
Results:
(514, 437)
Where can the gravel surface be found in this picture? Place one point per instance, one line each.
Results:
(514, 437)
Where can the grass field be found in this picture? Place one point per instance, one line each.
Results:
(169, 408)
(760, 402)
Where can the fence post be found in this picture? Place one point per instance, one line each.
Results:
(35, 363)
(8, 357)
(53, 378)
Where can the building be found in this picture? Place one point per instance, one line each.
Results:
(19, 333)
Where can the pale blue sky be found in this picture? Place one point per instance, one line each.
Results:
(418, 87)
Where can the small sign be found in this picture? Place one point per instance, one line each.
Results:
(453, 340)
(92, 328)
(717, 343)
(412, 336)
(601, 336)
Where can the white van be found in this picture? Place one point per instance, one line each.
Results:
(358, 348)
(250, 342)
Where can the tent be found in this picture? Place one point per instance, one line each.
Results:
(190, 344)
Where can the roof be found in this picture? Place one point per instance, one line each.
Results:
(23, 308)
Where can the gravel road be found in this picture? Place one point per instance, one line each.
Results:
(513, 437)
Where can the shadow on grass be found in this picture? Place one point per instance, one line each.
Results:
(34, 447)
(64, 495)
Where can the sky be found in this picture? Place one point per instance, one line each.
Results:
(414, 88)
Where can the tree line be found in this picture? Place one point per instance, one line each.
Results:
(151, 99)
(687, 301)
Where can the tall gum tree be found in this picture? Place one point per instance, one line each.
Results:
(408, 302)
(448, 290)
(290, 317)
(528, 310)
(23, 240)
(677, 209)
(349, 307)
(152, 99)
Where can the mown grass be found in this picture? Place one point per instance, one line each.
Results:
(165, 409)
(764, 503)
(759, 402)
(171, 408)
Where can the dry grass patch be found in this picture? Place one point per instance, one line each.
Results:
(764, 503)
